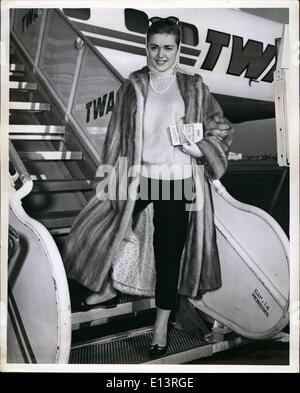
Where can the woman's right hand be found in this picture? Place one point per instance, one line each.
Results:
(192, 149)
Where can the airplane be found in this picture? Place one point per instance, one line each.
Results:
(220, 44)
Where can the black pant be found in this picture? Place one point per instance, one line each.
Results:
(170, 229)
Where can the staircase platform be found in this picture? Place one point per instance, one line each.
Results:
(132, 348)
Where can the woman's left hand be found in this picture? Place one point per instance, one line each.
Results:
(192, 149)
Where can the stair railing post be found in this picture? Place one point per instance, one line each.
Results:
(80, 47)
(40, 40)
(12, 17)
(22, 171)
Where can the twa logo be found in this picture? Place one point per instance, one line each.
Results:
(100, 106)
(30, 16)
(250, 56)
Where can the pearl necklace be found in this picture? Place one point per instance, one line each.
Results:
(165, 88)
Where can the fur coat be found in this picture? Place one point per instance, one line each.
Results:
(103, 228)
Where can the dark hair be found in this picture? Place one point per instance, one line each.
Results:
(164, 26)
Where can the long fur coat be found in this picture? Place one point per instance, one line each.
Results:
(100, 233)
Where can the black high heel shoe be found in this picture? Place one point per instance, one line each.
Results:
(111, 303)
(156, 351)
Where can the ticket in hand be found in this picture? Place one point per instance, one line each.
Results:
(179, 133)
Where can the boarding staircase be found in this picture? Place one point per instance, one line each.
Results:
(60, 157)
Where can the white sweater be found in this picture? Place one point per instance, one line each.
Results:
(160, 158)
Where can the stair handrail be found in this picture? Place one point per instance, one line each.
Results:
(22, 173)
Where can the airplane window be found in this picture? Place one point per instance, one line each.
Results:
(78, 13)
(137, 21)
(189, 34)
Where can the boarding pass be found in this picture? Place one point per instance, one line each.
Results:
(193, 131)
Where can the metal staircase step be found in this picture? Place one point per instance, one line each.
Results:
(30, 137)
(38, 177)
(56, 220)
(127, 304)
(15, 74)
(22, 85)
(63, 231)
(35, 129)
(28, 106)
(132, 348)
(16, 67)
(50, 155)
(62, 185)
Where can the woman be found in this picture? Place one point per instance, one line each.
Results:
(186, 255)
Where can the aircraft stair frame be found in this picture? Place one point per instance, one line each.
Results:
(60, 304)
(211, 339)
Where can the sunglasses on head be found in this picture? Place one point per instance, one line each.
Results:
(172, 19)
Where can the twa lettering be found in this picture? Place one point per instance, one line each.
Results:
(250, 57)
(30, 16)
(100, 106)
